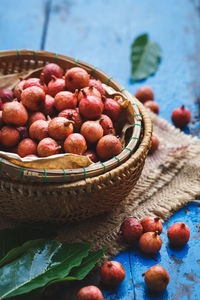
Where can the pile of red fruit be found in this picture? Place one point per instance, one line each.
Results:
(59, 114)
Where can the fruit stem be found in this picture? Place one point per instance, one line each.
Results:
(68, 122)
(143, 274)
(156, 233)
(182, 225)
(183, 107)
(156, 219)
(84, 93)
(53, 77)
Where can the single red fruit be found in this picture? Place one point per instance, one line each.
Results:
(59, 128)
(92, 131)
(34, 116)
(23, 132)
(15, 113)
(6, 95)
(156, 278)
(178, 234)
(91, 154)
(97, 85)
(47, 147)
(55, 86)
(19, 88)
(112, 109)
(33, 98)
(88, 91)
(144, 94)
(91, 107)
(39, 130)
(154, 144)
(73, 115)
(65, 100)
(75, 143)
(49, 108)
(150, 242)
(9, 136)
(49, 70)
(33, 82)
(152, 105)
(27, 147)
(112, 273)
(108, 146)
(90, 292)
(76, 78)
(181, 117)
(152, 224)
(131, 230)
(107, 125)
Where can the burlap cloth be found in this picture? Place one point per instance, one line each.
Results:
(170, 179)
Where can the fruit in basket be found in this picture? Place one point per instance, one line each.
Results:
(23, 132)
(6, 95)
(152, 105)
(27, 147)
(152, 224)
(72, 114)
(154, 144)
(55, 86)
(19, 88)
(76, 78)
(59, 128)
(156, 278)
(97, 85)
(90, 292)
(112, 108)
(150, 242)
(49, 107)
(178, 234)
(38, 130)
(181, 117)
(88, 91)
(91, 107)
(33, 82)
(144, 93)
(15, 113)
(91, 154)
(49, 70)
(34, 116)
(33, 98)
(92, 131)
(47, 147)
(64, 100)
(108, 146)
(9, 136)
(75, 143)
(106, 124)
(131, 230)
(1, 119)
(112, 273)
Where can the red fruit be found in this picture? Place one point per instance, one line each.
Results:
(108, 146)
(1, 104)
(154, 144)
(131, 230)
(144, 94)
(156, 278)
(39, 130)
(75, 143)
(36, 116)
(26, 147)
(33, 82)
(92, 131)
(49, 108)
(23, 132)
(90, 292)
(76, 78)
(181, 117)
(6, 95)
(47, 147)
(97, 85)
(1, 119)
(19, 88)
(178, 234)
(15, 113)
(33, 98)
(49, 70)
(152, 105)
(64, 100)
(112, 109)
(91, 107)
(9, 136)
(73, 115)
(91, 155)
(88, 91)
(112, 273)
(59, 128)
(152, 224)
(55, 86)
(107, 125)
(150, 242)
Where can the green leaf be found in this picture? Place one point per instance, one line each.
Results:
(145, 57)
(41, 264)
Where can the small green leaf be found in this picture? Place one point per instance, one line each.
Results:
(145, 57)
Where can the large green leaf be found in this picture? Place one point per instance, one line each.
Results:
(145, 57)
(41, 264)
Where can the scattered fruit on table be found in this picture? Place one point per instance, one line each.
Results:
(131, 230)
(178, 234)
(144, 93)
(154, 144)
(90, 292)
(152, 105)
(152, 224)
(181, 117)
(150, 242)
(156, 278)
(112, 273)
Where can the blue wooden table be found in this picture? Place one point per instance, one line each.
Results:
(100, 32)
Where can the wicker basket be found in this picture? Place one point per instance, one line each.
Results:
(93, 190)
